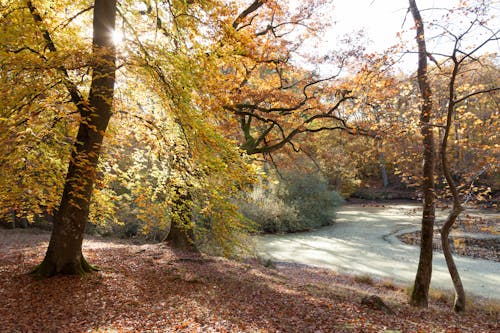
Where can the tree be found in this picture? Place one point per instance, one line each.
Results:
(163, 65)
(169, 50)
(64, 254)
(253, 86)
(34, 129)
(272, 100)
(459, 59)
(420, 293)
(463, 62)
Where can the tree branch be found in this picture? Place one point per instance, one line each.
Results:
(476, 93)
(76, 96)
(245, 13)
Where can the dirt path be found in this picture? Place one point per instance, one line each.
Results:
(363, 241)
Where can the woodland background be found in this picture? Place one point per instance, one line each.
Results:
(202, 122)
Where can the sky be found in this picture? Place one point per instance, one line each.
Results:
(382, 20)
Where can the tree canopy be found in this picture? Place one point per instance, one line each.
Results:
(157, 116)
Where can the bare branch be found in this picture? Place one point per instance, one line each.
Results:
(65, 23)
(74, 92)
(476, 93)
(244, 14)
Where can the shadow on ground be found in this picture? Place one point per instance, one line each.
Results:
(149, 288)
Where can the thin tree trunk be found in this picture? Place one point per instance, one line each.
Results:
(181, 234)
(459, 305)
(12, 219)
(420, 294)
(64, 254)
(383, 170)
(457, 139)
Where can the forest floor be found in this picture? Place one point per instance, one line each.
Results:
(150, 288)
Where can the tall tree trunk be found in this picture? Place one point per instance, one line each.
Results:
(64, 254)
(459, 305)
(420, 294)
(181, 238)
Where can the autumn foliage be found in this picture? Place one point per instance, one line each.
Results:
(209, 121)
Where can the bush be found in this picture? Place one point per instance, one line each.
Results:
(270, 213)
(295, 203)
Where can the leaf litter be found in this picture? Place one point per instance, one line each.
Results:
(150, 288)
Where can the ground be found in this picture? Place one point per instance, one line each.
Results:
(149, 288)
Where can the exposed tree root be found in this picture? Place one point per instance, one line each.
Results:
(49, 268)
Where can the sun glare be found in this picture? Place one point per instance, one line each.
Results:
(117, 37)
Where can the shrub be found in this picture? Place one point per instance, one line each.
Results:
(310, 196)
(269, 212)
(295, 203)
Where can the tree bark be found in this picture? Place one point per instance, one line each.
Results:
(180, 238)
(64, 254)
(181, 235)
(459, 304)
(420, 294)
(383, 171)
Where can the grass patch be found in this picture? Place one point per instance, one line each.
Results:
(435, 295)
(365, 279)
(491, 307)
(442, 296)
(388, 284)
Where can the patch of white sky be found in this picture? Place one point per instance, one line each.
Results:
(382, 21)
